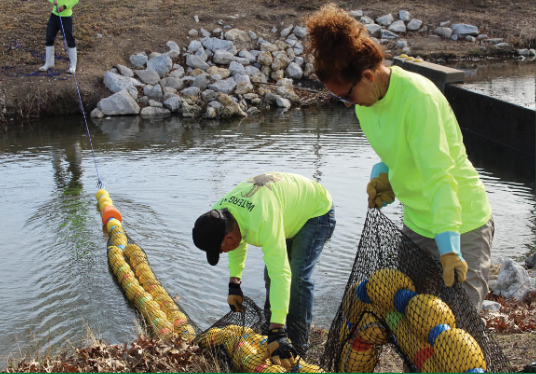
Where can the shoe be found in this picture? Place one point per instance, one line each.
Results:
(72, 58)
(49, 59)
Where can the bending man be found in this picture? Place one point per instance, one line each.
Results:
(290, 217)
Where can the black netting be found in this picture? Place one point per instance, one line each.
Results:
(395, 295)
(133, 272)
(240, 339)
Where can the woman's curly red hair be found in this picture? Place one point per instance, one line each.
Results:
(340, 45)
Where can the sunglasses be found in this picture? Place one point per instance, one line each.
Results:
(344, 98)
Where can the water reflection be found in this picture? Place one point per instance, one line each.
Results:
(162, 175)
(511, 80)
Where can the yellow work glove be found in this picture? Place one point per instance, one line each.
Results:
(453, 264)
(448, 243)
(280, 350)
(380, 193)
(235, 298)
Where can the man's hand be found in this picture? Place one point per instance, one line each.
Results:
(236, 297)
(279, 349)
(448, 243)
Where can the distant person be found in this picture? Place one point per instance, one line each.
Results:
(54, 26)
(290, 217)
(411, 126)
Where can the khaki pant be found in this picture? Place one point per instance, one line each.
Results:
(475, 247)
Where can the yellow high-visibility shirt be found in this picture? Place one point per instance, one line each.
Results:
(269, 209)
(415, 132)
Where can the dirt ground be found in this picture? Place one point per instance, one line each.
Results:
(109, 31)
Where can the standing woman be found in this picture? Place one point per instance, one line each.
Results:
(53, 26)
(412, 128)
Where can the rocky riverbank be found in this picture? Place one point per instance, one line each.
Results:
(267, 67)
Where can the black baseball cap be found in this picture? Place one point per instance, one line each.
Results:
(208, 233)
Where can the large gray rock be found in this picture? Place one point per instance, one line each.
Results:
(294, 71)
(215, 44)
(386, 34)
(139, 60)
(191, 91)
(236, 68)
(161, 64)
(154, 112)
(398, 27)
(300, 32)
(414, 24)
(116, 82)
(173, 103)
(196, 62)
(463, 29)
(237, 35)
(223, 57)
(202, 81)
(374, 29)
(513, 281)
(172, 82)
(123, 70)
(153, 92)
(120, 103)
(385, 20)
(404, 15)
(148, 76)
(445, 32)
(178, 72)
(194, 46)
(225, 86)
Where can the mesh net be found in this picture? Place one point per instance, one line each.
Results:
(395, 295)
(240, 340)
(133, 273)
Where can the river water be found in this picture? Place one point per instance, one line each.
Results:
(55, 281)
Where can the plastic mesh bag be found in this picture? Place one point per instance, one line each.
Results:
(133, 272)
(395, 295)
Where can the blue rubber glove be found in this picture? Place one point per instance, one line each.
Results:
(448, 243)
(379, 190)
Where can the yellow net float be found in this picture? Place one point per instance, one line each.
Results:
(113, 250)
(113, 223)
(127, 278)
(177, 318)
(122, 271)
(208, 338)
(137, 259)
(133, 289)
(455, 350)
(228, 339)
(274, 369)
(310, 368)
(255, 340)
(144, 268)
(383, 284)
(371, 330)
(424, 312)
(105, 201)
(130, 249)
(242, 350)
(252, 363)
(186, 332)
(101, 192)
(358, 358)
(114, 258)
(156, 289)
(119, 239)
